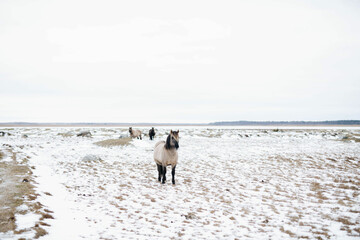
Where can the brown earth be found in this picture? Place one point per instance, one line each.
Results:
(114, 142)
(16, 189)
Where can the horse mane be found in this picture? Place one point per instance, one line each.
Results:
(167, 144)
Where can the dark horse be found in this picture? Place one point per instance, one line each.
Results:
(152, 133)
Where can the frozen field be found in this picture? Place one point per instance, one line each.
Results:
(230, 183)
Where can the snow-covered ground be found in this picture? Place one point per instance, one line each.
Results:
(230, 183)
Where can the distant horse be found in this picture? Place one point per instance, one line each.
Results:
(135, 133)
(152, 133)
(5, 133)
(165, 154)
(84, 134)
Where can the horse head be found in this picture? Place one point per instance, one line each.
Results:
(172, 140)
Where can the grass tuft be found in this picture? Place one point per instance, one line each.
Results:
(114, 142)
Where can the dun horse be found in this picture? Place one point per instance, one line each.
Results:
(135, 133)
(166, 154)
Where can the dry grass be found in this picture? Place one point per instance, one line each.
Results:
(114, 142)
(351, 137)
(14, 192)
(315, 186)
(46, 216)
(291, 234)
(345, 221)
(40, 232)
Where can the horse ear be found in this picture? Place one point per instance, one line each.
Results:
(178, 131)
(171, 131)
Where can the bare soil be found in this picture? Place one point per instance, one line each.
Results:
(17, 188)
(114, 142)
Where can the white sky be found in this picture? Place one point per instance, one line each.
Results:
(183, 61)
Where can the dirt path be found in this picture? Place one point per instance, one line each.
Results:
(18, 197)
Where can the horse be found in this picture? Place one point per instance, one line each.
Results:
(135, 133)
(152, 133)
(84, 134)
(165, 154)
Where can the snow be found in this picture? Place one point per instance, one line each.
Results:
(22, 208)
(231, 182)
(26, 221)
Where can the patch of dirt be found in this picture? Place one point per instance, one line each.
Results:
(114, 142)
(189, 216)
(17, 189)
(350, 137)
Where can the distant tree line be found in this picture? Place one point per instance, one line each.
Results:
(254, 123)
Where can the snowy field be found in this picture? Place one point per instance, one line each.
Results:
(231, 183)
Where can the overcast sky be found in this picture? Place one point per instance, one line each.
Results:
(179, 61)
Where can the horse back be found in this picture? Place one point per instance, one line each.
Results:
(162, 156)
(158, 143)
(158, 151)
(135, 133)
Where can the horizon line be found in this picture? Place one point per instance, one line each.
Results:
(217, 123)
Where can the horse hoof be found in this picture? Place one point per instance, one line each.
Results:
(173, 182)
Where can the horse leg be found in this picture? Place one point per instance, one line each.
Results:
(140, 137)
(173, 174)
(159, 167)
(164, 174)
